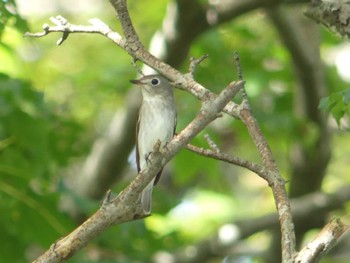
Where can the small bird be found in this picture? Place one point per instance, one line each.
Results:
(157, 121)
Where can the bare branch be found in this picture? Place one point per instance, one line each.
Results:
(194, 63)
(274, 180)
(332, 14)
(256, 168)
(211, 143)
(323, 242)
(62, 25)
(136, 67)
(129, 31)
(238, 65)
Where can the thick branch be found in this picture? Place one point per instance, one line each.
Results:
(332, 14)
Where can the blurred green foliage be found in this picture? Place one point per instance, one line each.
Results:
(54, 101)
(10, 16)
(32, 148)
(338, 104)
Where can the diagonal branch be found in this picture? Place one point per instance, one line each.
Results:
(126, 206)
(323, 242)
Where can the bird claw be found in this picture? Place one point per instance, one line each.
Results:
(156, 149)
(147, 158)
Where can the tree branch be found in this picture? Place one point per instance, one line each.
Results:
(62, 25)
(332, 14)
(323, 242)
(218, 155)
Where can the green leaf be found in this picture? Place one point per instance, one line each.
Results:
(337, 104)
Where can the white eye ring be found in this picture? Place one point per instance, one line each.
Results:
(155, 82)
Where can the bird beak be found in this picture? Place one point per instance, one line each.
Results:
(136, 81)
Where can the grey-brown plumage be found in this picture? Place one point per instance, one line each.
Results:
(157, 121)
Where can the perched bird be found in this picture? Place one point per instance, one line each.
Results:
(157, 121)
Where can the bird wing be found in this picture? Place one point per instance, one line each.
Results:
(137, 147)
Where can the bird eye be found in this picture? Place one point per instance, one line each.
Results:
(155, 82)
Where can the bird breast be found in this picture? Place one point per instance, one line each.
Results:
(157, 122)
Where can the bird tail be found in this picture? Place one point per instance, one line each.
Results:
(146, 198)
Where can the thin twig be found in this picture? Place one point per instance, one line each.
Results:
(254, 167)
(211, 143)
(194, 64)
(238, 65)
(61, 25)
(136, 67)
(240, 75)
